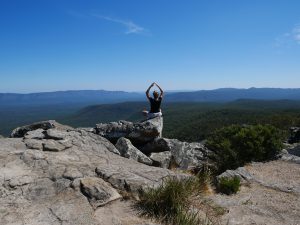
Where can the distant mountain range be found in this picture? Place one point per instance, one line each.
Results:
(232, 94)
(88, 97)
(84, 97)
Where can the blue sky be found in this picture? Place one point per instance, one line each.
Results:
(48, 45)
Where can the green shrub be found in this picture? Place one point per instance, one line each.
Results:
(169, 203)
(235, 145)
(229, 185)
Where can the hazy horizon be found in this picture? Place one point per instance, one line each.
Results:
(133, 91)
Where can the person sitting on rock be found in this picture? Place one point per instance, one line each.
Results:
(155, 102)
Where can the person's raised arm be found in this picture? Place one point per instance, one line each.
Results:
(161, 90)
(147, 92)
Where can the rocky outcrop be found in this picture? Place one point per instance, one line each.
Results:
(43, 125)
(137, 133)
(62, 176)
(146, 137)
(127, 150)
(185, 155)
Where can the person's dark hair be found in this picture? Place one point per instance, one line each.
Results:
(155, 94)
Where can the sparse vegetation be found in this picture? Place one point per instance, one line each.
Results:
(229, 185)
(169, 203)
(236, 145)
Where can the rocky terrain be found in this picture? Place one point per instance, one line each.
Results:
(270, 194)
(55, 174)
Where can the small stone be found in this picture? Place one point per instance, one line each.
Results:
(67, 143)
(98, 191)
(54, 146)
(161, 159)
(72, 174)
(56, 134)
(62, 184)
(35, 134)
(76, 184)
(19, 181)
(34, 144)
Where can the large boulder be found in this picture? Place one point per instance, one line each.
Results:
(161, 159)
(41, 183)
(137, 133)
(127, 150)
(184, 155)
(43, 125)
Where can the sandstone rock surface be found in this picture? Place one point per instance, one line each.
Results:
(64, 177)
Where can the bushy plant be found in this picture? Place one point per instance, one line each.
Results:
(229, 185)
(235, 145)
(169, 202)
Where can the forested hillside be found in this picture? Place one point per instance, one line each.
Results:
(185, 121)
(195, 121)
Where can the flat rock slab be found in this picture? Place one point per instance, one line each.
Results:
(271, 197)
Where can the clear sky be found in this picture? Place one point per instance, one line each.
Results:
(48, 45)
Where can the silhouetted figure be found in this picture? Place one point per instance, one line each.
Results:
(155, 102)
